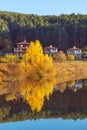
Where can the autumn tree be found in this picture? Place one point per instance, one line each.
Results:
(70, 57)
(60, 56)
(11, 58)
(35, 65)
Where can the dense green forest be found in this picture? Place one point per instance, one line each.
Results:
(63, 31)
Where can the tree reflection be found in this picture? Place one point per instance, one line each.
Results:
(14, 85)
(62, 87)
(10, 76)
(33, 93)
(74, 85)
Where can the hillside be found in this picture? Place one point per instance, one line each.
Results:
(63, 31)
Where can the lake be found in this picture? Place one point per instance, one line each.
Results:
(62, 106)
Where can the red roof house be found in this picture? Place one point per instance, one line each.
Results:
(21, 48)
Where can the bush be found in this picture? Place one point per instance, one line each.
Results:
(60, 56)
(70, 57)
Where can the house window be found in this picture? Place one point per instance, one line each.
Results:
(78, 51)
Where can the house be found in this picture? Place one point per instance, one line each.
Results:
(21, 48)
(77, 52)
(51, 50)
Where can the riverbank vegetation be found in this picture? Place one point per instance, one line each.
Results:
(33, 76)
(35, 65)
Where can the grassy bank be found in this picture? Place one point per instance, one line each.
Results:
(67, 70)
(71, 70)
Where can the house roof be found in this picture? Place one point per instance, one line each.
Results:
(50, 47)
(23, 42)
(74, 48)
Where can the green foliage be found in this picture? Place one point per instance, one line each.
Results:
(84, 48)
(4, 112)
(84, 54)
(63, 31)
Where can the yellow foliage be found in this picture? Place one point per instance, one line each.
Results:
(11, 58)
(71, 83)
(35, 92)
(10, 76)
(70, 57)
(10, 97)
(62, 87)
(3, 60)
(60, 56)
(35, 65)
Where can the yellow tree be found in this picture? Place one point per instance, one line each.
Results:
(70, 57)
(61, 56)
(35, 64)
(11, 58)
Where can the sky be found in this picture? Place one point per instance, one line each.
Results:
(44, 7)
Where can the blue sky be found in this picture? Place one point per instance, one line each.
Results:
(44, 7)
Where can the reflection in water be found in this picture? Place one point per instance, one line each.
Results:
(62, 87)
(32, 90)
(17, 105)
(24, 99)
(71, 85)
(33, 93)
(75, 85)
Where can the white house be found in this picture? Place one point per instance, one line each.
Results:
(50, 50)
(77, 52)
(21, 48)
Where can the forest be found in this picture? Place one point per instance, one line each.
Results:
(62, 31)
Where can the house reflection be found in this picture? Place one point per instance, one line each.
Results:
(71, 85)
(76, 86)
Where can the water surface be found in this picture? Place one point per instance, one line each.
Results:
(63, 106)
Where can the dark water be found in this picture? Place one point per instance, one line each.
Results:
(66, 109)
